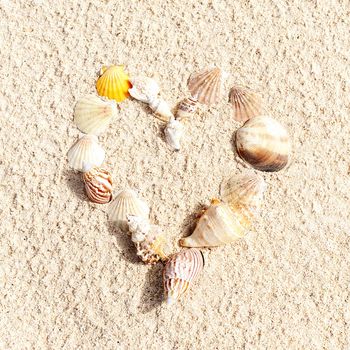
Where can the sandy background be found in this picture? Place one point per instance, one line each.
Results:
(69, 280)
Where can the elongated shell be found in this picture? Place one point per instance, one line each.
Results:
(186, 108)
(92, 114)
(98, 185)
(173, 134)
(85, 151)
(205, 86)
(127, 203)
(161, 109)
(144, 89)
(246, 104)
(113, 83)
(181, 270)
(263, 143)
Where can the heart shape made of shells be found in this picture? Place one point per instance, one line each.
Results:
(262, 142)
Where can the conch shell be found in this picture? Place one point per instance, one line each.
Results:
(173, 133)
(144, 89)
(264, 144)
(180, 271)
(229, 219)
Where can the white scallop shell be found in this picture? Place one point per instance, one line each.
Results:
(125, 203)
(85, 151)
(144, 89)
(92, 114)
(173, 133)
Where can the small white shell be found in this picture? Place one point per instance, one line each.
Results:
(161, 109)
(85, 151)
(126, 203)
(92, 114)
(173, 133)
(144, 89)
(139, 227)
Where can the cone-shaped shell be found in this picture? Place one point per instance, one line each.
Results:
(186, 108)
(144, 89)
(180, 271)
(126, 203)
(246, 104)
(85, 151)
(205, 86)
(113, 83)
(264, 144)
(161, 109)
(98, 185)
(92, 114)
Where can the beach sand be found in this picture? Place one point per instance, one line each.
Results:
(71, 280)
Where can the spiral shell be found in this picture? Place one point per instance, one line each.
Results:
(186, 108)
(161, 109)
(113, 83)
(125, 203)
(264, 144)
(246, 104)
(98, 185)
(173, 133)
(180, 271)
(85, 151)
(92, 114)
(205, 86)
(144, 89)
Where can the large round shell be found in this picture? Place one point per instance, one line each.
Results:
(85, 151)
(92, 114)
(264, 144)
(246, 103)
(98, 185)
(205, 86)
(125, 203)
(144, 89)
(180, 271)
(113, 83)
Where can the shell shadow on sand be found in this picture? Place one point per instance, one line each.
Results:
(75, 184)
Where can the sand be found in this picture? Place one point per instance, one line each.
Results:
(70, 280)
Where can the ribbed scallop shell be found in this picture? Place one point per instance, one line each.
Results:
(125, 203)
(186, 108)
(92, 114)
(246, 104)
(205, 86)
(98, 185)
(85, 151)
(180, 271)
(264, 144)
(113, 83)
(144, 89)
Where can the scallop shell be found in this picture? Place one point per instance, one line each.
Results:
(205, 86)
(161, 109)
(92, 114)
(98, 185)
(173, 133)
(181, 270)
(144, 89)
(85, 151)
(127, 203)
(264, 144)
(246, 104)
(113, 83)
(186, 108)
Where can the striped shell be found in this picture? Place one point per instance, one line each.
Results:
(205, 86)
(264, 144)
(113, 83)
(92, 114)
(125, 203)
(85, 151)
(180, 271)
(144, 89)
(246, 104)
(98, 185)
(186, 108)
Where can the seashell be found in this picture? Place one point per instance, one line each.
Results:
(127, 203)
(92, 114)
(263, 143)
(173, 133)
(205, 86)
(147, 238)
(161, 109)
(85, 151)
(180, 271)
(144, 89)
(186, 108)
(113, 83)
(246, 104)
(98, 185)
